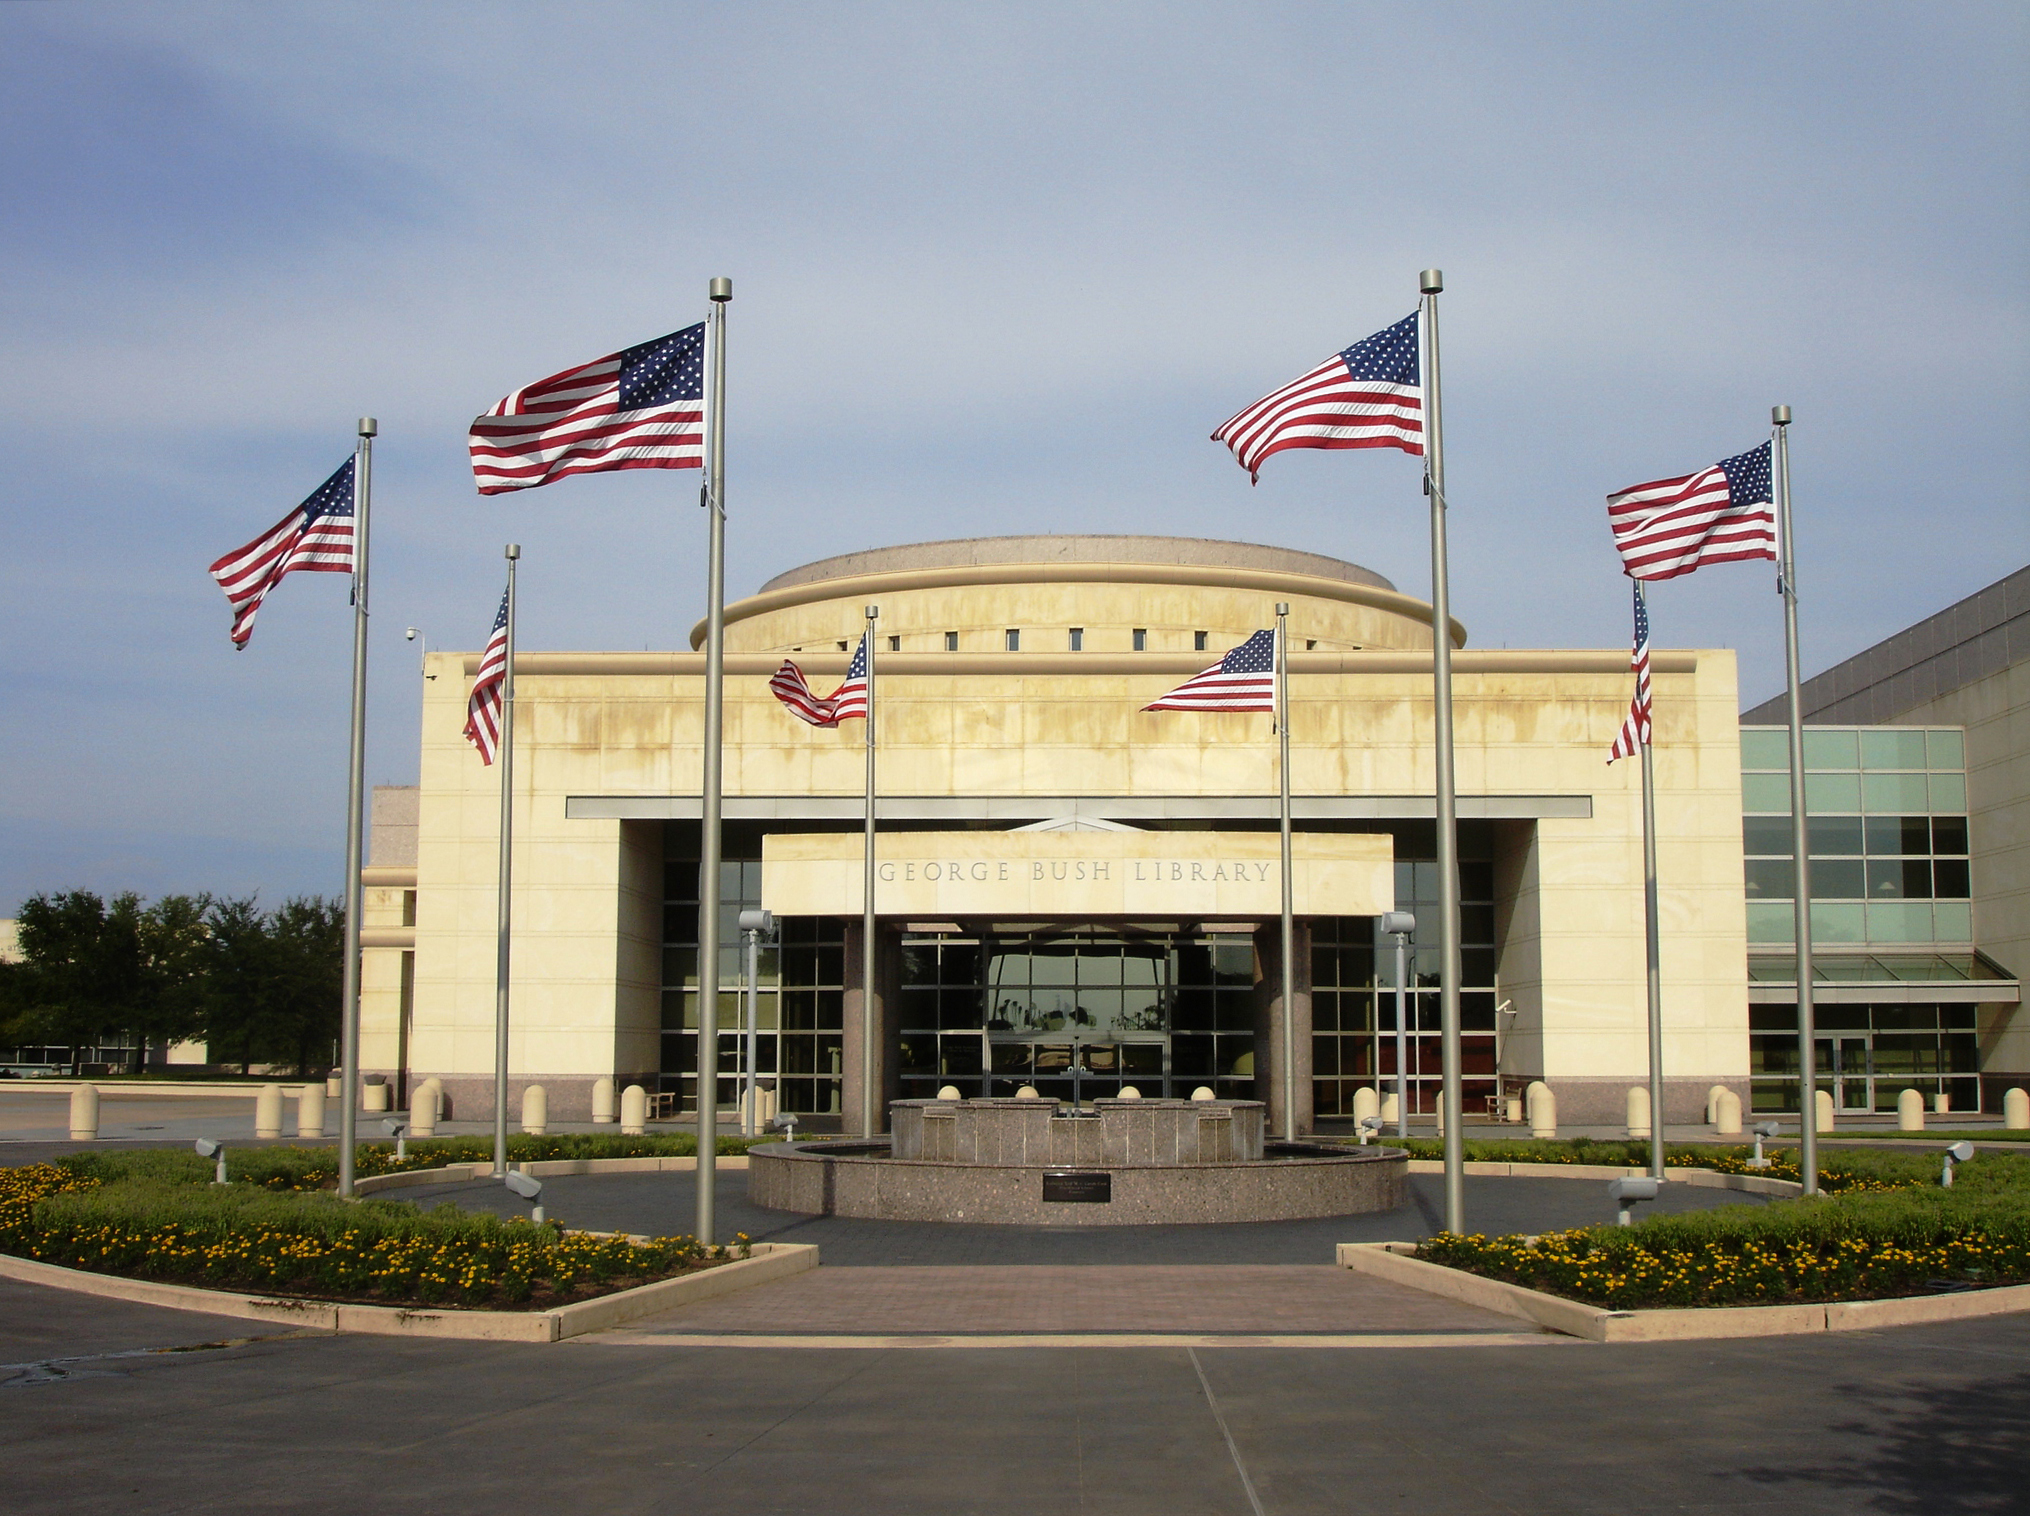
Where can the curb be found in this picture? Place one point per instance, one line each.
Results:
(1709, 1179)
(470, 1173)
(768, 1261)
(1397, 1263)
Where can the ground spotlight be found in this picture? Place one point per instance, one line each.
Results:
(206, 1148)
(1370, 1126)
(399, 1130)
(1763, 1130)
(1959, 1152)
(1626, 1192)
(522, 1185)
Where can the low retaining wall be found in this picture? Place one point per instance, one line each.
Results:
(851, 1180)
(469, 1173)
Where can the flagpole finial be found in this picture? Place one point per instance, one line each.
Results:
(514, 551)
(1431, 281)
(1282, 607)
(368, 427)
(721, 290)
(1779, 415)
(873, 613)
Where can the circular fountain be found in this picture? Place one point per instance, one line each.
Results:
(1110, 1163)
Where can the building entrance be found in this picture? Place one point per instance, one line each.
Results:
(1076, 1068)
(1846, 1068)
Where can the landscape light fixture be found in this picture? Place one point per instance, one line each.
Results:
(1370, 1126)
(1959, 1152)
(206, 1148)
(1399, 925)
(399, 1130)
(522, 1185)
(787, 1121)
(1626, 1192)
(1762, 1130)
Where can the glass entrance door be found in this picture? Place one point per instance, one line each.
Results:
(1846, 1067)
(1079, 1068)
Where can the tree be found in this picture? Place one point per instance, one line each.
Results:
(273, 980)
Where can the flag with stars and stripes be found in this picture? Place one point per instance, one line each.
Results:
(1371, 395)
(316, 537)
(482, 710)
(1244, 680)
(1634, 733)
(643, 407)
(848, 702)
(1723, 514)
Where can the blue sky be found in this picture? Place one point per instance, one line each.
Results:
(999, 268)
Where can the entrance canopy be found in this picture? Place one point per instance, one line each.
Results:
(1180, 875)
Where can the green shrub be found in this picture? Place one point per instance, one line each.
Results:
(1841, 1170)
(156, 1222)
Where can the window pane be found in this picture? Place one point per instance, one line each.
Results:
(1837, 879)
(1885, 748)
(1765, 792)
(1770, 923)
(1948, 835)
(1766, 836)
(1837, 923)
(1950, 881)
(1894, 792)
(1765, 748)
(1832, 792)
(1771, 879)
(1948, 749)
(1949, 793)
(1833, 836)
(1953, 921)
(1830, 750)
(1890, 835)
(1899, 921)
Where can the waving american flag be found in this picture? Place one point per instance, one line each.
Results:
(316, 537)
(1244, 680)
(1370, 395)
(1722, 514)
(1634, 733)
(482, 710)
(846, 703)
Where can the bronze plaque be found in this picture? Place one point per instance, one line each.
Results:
(1078, 1188)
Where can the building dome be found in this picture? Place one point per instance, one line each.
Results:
(1076, 592)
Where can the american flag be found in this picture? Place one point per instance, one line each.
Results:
(482, 711)
(315, 537)
(1723, 514)
(1244, 680)
(848, 702)
(1371, 395)
(641, 408)
(1634, 732)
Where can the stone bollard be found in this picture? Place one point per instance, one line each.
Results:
(1941, 1103)
(1825, 1110)
(268, 1111)
(310, 1111)
(1909, 1112)
(334, 1085)
(1713, 1103)
(1727, 1113)
(602, 1100)
(1543, 1110)
(373, 1095)
(1366, 1103)
(2016, 1110)
(1028, 1092)
(945, 1092)
(423, 1105)
(535, 1111)
(1388, 1110)
(1204, 1092)
(84, 1113)
(1129, 1092)
(634, 1111)
(1638, 1111)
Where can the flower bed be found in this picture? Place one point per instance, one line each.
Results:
(379, 1252)
(1886, 1236)
(1840, 1172)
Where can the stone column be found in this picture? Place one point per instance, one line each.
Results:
(887, 1011)
(1269, 1024)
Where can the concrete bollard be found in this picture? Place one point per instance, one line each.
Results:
(334, 1085)
(1713, 1103)
(423, 1107)
(1825, 1110)
(944, 1092)
(1727, 1114)
(602, 1100)
(1638, 1111)
(2016, 1110)
(1129, 1092)
(1909, 1111)
(1388, 1110)
(373, 1096)
(1512, 1111)
(634, 1111)
(1941, 1103)
(1028, 1092)
(310, 1111)
(84, 1113)
(1543, 1110)
(535, 1111)
(1204, 1092)
(1366, 1103)
(268, 1111)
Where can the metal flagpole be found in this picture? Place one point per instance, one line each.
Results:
(1288, 1070)
(1430, 284)
(504, 904)
(1651, 941)
(870, 1098)
(355, 807)
(1807, 1038)
(720, 291)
